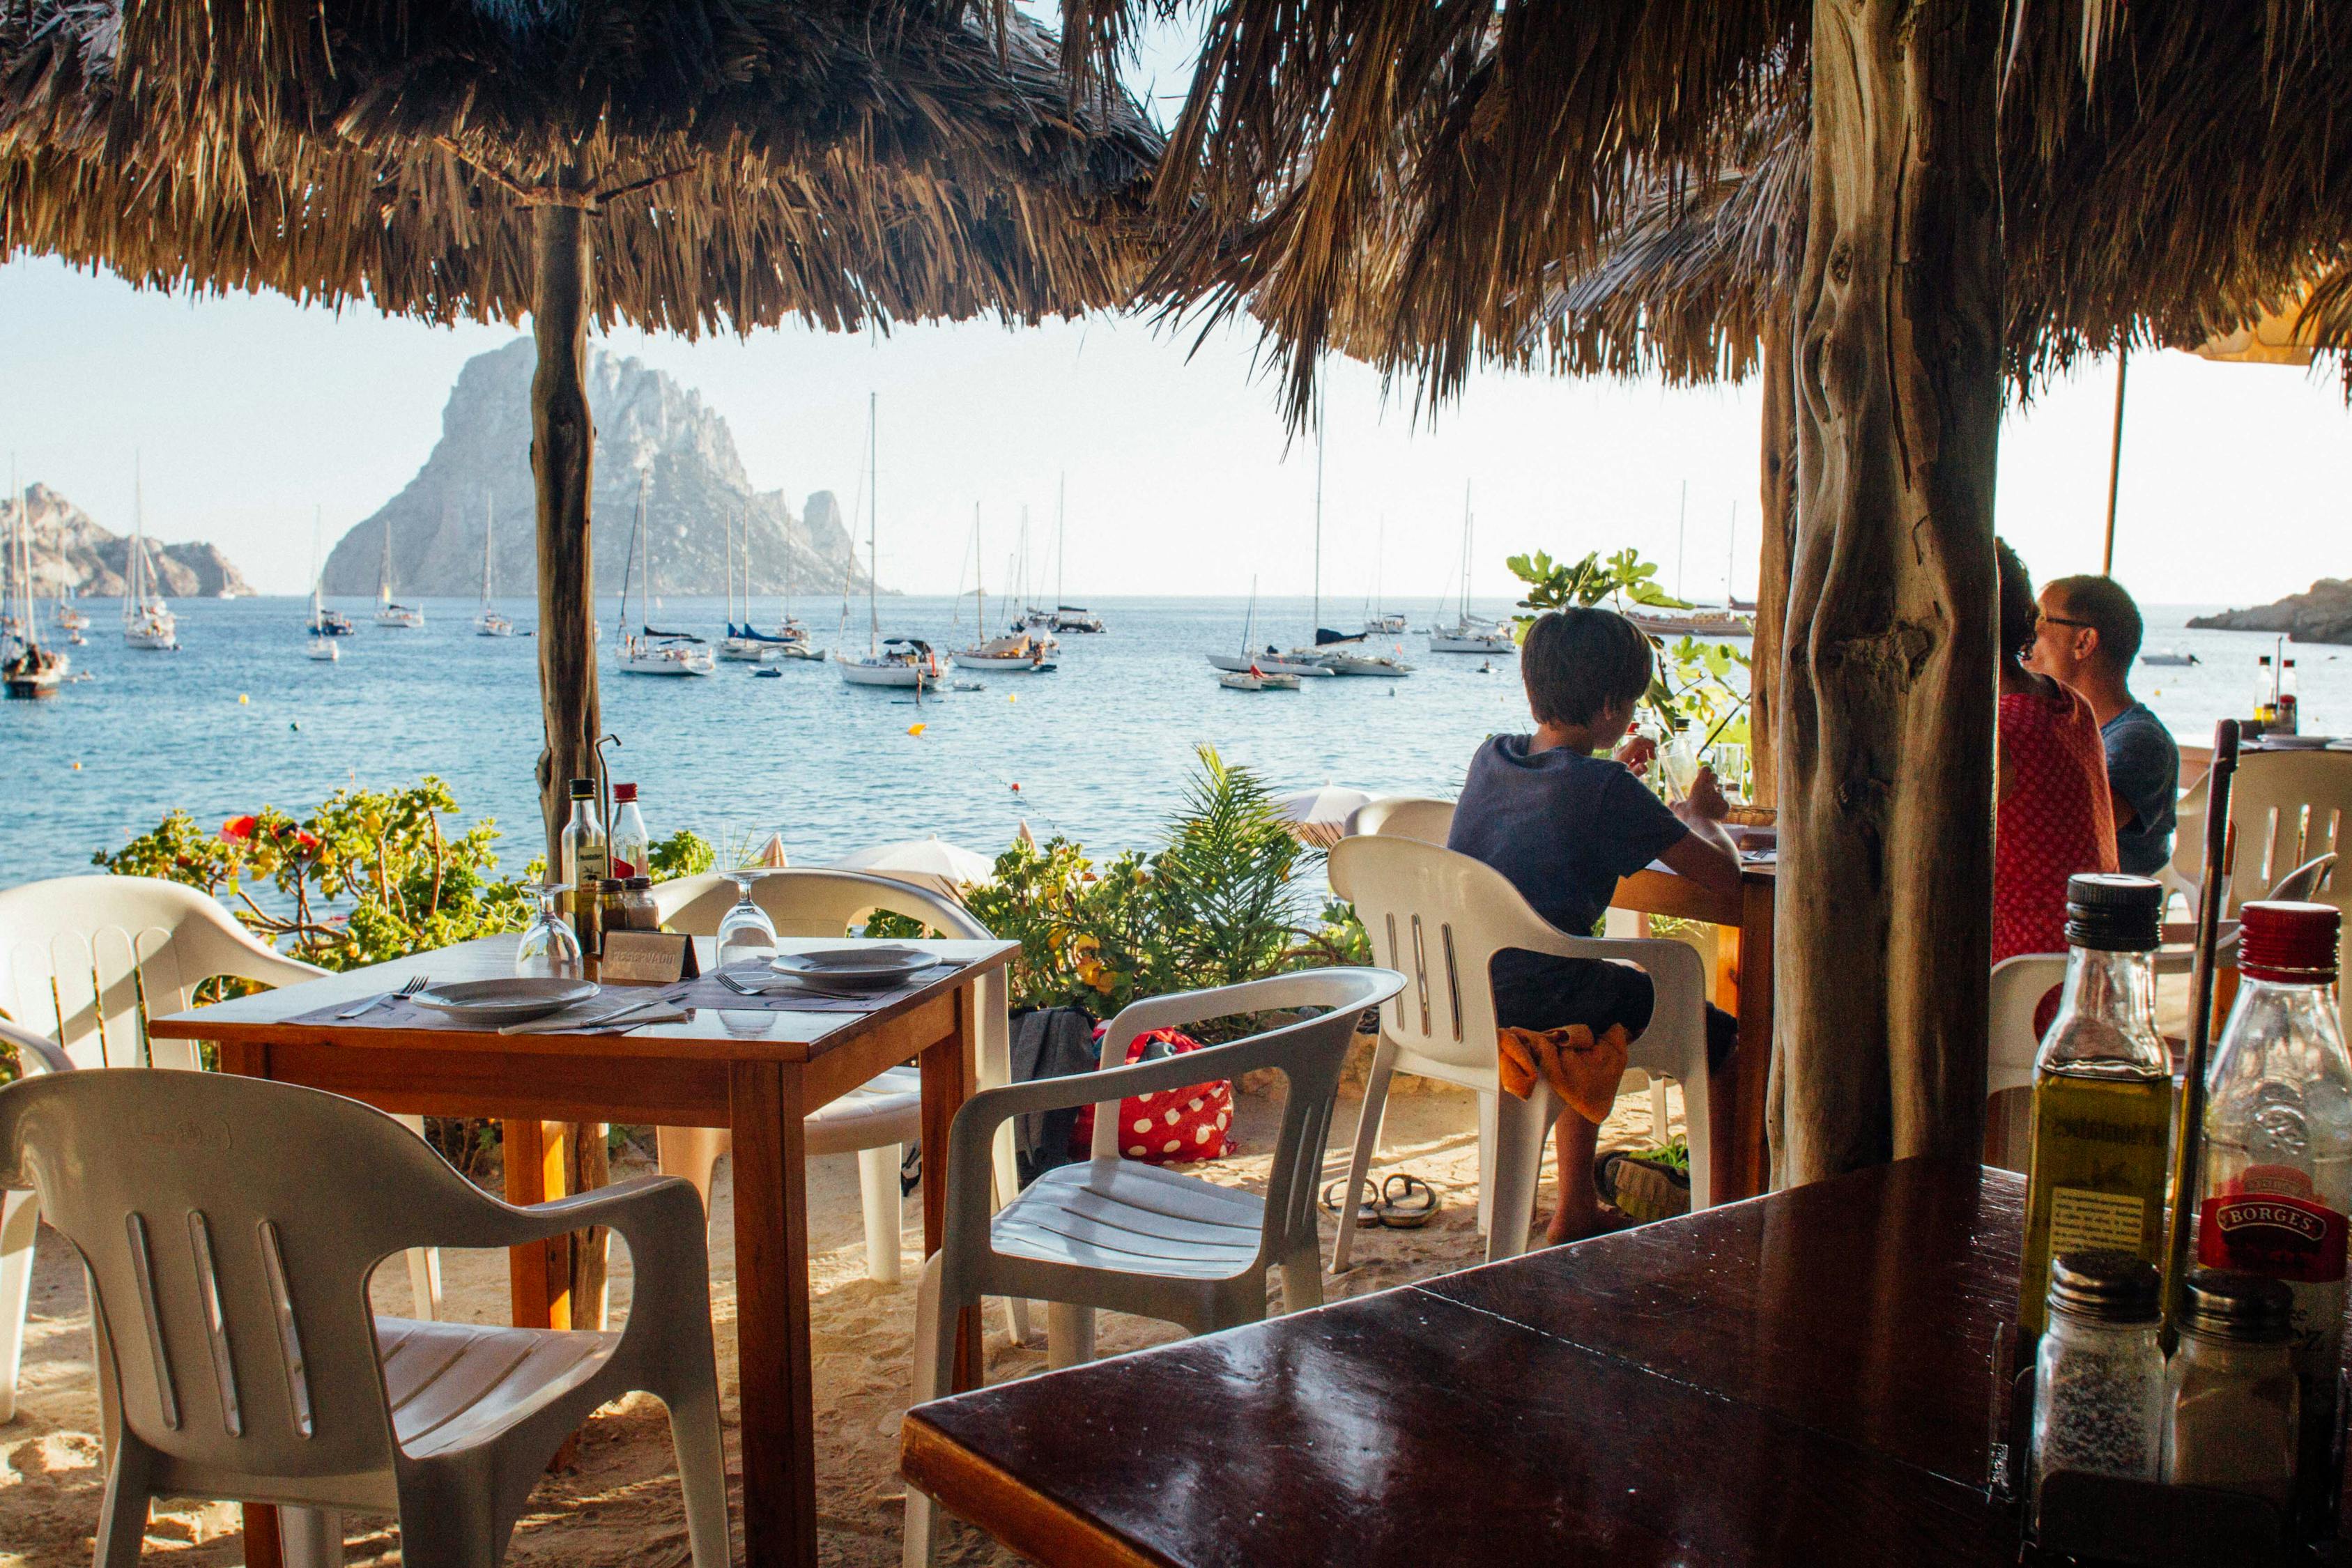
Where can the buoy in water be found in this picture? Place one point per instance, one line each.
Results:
(1016, 783)
(76, 767)
(916, 730)
(242, 699)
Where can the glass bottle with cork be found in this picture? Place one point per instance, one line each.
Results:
(2102, 1093)
(2275, 1182)
(586, 858)
(632, 846)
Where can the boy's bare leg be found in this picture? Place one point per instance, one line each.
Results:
(1578, 1214)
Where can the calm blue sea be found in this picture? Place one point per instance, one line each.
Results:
(1099, 750)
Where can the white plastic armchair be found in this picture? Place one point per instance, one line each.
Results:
(1440, 918)
(2018, 984)
(2286, 808)
(1403, 816)
(1121, 1235)
(87, 960)
(229, 1252)
(880, 1118)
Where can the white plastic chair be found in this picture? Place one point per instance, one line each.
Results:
(1125, 1237)
(87, 960)
(238, 1347)
(20, 1217)
(1403, 816)
(2018, 984)
(2186, 869)
(1440, 918)
(2286, 808)
(877, 1121)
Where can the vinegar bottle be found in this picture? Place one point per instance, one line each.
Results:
(585, 859)
(2102, 1093)
(2275, 1182)
(631, 849)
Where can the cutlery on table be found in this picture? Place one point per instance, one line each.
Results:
(408, 988)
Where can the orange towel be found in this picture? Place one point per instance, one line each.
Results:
(1581, 1069)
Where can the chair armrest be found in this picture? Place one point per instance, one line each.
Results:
(630, 1208)
(34, 1056)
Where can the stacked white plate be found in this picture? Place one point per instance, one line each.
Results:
(868, 966)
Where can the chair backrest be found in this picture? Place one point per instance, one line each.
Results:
(810, 903)
(230, 1257)
(85, 961)
(2285, 808)
(1309, 1053)
(1403, 816)
(2018, 985)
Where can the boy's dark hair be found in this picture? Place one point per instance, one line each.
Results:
(2100, 604)
(2020, 612)
(1576, 661)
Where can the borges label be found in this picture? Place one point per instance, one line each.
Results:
(2266, 1233)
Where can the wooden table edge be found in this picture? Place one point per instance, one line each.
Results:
(979, 1491)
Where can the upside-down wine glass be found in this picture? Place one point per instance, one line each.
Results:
(746, 932)
(550, 949)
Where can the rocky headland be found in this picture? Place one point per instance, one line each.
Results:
(479, 475)
(73, 555)
(2322, 615)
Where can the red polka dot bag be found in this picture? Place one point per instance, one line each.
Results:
(1173, 1126)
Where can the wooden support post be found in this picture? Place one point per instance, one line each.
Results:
(562, 448)
(1883, 928)
(1779, 495)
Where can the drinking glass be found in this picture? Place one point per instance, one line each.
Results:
(1729, 760)
(550, 949)
(746, 932)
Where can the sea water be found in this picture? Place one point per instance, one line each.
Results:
(1100, 751)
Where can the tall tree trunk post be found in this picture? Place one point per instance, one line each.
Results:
(1888, 726)
(1778, 496)
(562, 454)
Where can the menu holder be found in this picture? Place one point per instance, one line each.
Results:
(646, 958)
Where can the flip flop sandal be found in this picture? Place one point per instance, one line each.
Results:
(1368, 1208)
(1407, 1203)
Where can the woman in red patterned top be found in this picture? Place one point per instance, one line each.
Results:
(2056, 817)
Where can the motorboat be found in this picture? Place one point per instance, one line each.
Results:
(488, 621)
(147, 622)
(326, 650)
(1467, 633)
(2170, 659)
(1392, 624)
(1021, 651)
(1076, 618)
(1257, 680)
(1348, 656)
(403, 617)
(649, 650)
(904, 662)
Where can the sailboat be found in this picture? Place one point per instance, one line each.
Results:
(147, 621)
(646, 651)
(888, 661)
(1067, 618)
(1379, 622)
(26, 668)
(490, 623)
(740, 643)
(1469, 633)
(791, 639)
(1254, 675)
(323, 622)
(1016, 653)
(1336, 651)
(388, 614)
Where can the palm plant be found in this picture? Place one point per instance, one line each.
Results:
(1223, 890)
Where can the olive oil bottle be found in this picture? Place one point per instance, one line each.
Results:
(2102, 1093)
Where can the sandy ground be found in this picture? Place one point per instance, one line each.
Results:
(620, 1503)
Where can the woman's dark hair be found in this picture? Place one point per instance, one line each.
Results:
(1577, 661)
(2020, 613)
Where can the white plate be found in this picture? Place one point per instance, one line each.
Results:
(872, 964)
(2293, 742)
(515, 1001)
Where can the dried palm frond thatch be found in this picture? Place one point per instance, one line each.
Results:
(843, 164)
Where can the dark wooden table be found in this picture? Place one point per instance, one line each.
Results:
(757, 1074)
(1739, 1157)
(1799, 1380)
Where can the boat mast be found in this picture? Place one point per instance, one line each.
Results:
(318, 617)
(1061, 542)
(978, 584)
(489, 521)
(1315, 620)
(1469, 551)
(873, 510)
(132, 591)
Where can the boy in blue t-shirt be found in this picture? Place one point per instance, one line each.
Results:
(1563, 825)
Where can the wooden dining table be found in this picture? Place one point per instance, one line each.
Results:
(757, 1074)
(1799, 1380)
(1738, 1157)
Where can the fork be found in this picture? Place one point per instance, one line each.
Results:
(408, 988)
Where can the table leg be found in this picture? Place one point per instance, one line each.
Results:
(262, 1546)
(539, 1274)
(949, 1066)
(1736, 1094)
(777, 1395)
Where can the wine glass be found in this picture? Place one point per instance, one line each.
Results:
(746, 932)
(550, 949)
(1729, 760)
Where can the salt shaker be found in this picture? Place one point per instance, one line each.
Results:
(2098, 1380)
(2232, 1396)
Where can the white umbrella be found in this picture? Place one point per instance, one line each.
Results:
(932, 863)
(1319, 817)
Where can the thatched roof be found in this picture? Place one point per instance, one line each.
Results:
(1620, 185)
(847, 163)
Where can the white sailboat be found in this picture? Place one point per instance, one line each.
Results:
(408, 617)
(1338, 653)
(1469, 633)
(740, 643)
(490, 623)
(904, 662)
(1066, 617)
(1018, 652)
(323, 622)
(26, 668)
(1379, 622)
(147, 622)
(646, 651)
(1254, 675)
(790, 639)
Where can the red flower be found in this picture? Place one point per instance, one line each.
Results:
(306, 841)
(239, 830)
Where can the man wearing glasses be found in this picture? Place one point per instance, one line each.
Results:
(2089, 635)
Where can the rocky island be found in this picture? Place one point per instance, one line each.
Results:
(73, 556)
(2322, 615)
(478, 474)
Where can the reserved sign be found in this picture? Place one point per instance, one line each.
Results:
(645, 958)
